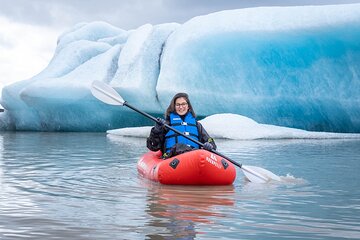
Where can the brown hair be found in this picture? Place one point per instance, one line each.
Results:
(171, 107)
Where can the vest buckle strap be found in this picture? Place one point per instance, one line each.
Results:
(187, 133)
(184, 123)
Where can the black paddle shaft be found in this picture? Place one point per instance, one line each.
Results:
(180, 133)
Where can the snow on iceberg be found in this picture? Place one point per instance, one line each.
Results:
(237, 127)
(289, 66)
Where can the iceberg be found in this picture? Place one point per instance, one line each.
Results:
(295, 67)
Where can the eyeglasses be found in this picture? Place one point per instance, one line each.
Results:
(184, 104)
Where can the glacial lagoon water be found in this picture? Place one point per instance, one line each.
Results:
(86, 186)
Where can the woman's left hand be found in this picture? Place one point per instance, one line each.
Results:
(208, 146)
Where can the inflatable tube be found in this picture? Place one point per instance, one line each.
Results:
(198, 167)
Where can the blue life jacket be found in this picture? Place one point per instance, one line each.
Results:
(188, 127)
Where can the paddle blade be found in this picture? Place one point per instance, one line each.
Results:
(106, 93)
(258, 174)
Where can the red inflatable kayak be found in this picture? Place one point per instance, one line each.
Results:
(198, 167)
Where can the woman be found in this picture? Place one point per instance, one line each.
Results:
(181, 116)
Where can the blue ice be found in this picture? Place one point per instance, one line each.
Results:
(295, 67)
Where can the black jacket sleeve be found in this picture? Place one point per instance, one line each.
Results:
(204, 136)
(156, 139)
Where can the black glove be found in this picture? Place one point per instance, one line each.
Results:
(159, 123)
(208, 146)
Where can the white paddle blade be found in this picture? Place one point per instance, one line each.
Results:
(106, 93)
(259, 175)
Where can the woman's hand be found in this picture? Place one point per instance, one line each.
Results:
(208, 146)
(159, 123)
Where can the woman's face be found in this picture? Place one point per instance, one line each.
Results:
(181, 106)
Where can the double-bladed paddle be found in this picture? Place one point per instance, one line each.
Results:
(107, 94)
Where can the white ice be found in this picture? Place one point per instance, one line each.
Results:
(237, 127)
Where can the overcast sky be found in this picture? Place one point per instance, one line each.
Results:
(29, 28)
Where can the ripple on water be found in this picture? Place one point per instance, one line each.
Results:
(85, 186)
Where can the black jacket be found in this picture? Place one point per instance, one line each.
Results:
(156, 140)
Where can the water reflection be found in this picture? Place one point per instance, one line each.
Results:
(176, 209)
(86, 186)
